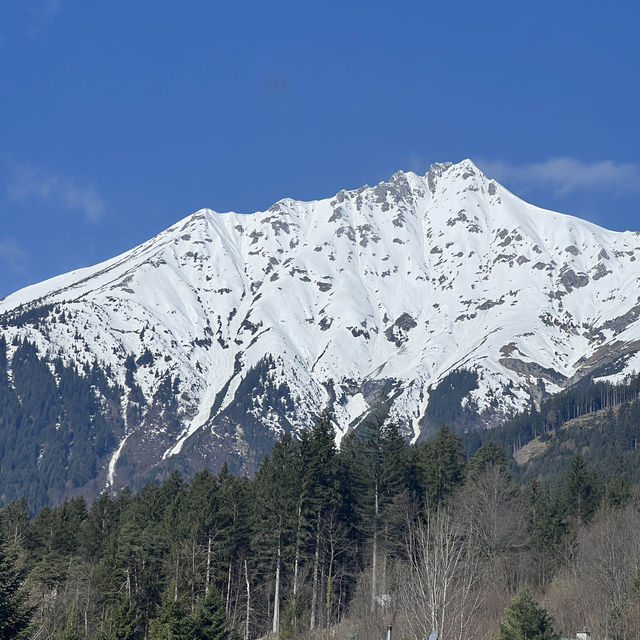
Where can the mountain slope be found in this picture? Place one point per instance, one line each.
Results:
(227, 329)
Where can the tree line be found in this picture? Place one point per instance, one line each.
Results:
(599, 419)
(324, 542)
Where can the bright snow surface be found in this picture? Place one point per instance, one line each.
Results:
(405, 281)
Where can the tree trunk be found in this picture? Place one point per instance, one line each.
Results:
(228, 606)
(193, 573)
(276, 598)
(296, 561)
(316, 567)
(385, 545)
(175, 587)
(296, 568)
(374, 560)
(208, 577)
(246, 620)
(330, 582)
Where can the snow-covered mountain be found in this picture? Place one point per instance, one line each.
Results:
(259, 321)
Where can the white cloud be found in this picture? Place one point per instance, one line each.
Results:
(566, 175)
(32, 184)
(12, 254)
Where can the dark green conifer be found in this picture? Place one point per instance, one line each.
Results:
(211, 621)
(441, 466)
(524, 619)
(547, 521)
(583, 490)
(490, 454)
(172, 621)
(619, 491)
(15, 612)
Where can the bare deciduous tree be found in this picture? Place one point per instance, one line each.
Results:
(595, 590)
(441, 590)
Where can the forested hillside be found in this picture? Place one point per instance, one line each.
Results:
(326, 543)
(56, 425)
(598, 420)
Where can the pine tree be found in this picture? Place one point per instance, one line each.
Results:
(619, 491)
(232, 523)
(274, 515)
(583, 490)
(15, 612)
(211, 621)
(524, 619)
(376, 458)
(490, 454)
(441, 466)
(321, 490)
(547, 521)
(172, 621)
(70, 631)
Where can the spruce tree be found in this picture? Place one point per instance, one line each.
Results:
(547, 516)
(524, 619)
(320, 486)
(172, 621)
(376, 463)
(232, 525)
(583, 490)
(211, 621)
(199, 510)
(14, 522)
(123, 622)
(490, 454)
(619, 491)
(15, 612)
(70, 631)
(441, 466)
(275, 517)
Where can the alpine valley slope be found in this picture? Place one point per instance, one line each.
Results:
(226, 330)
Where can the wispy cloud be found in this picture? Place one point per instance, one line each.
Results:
(12, 254)
(41, 12)
(32, 184)
(566, 175)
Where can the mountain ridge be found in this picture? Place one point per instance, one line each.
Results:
(374, 295)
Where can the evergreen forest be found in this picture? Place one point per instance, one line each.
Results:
(328, 543)
(597, 419)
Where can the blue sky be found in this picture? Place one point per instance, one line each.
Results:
(119, 118)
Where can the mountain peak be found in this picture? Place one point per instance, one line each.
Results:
(464, 167)
(467, 163)
(376, 296)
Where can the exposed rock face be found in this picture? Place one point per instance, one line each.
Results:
(373, 296)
